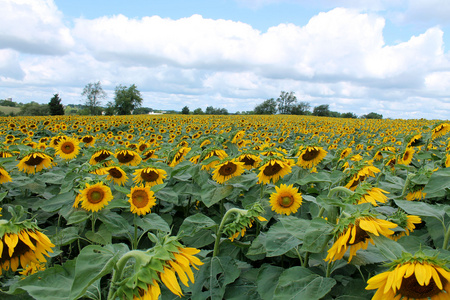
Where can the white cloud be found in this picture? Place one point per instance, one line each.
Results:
(10, 65)
(33, 26)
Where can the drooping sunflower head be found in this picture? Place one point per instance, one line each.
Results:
(141, 200)
(366, 193)
(440, 130)
(250, 160)
(415, 141)
(178, 156)
(412, 277)
(214, 152)
(116, 174)
(35, 162)
(68, 148)
(128, 157)
(286, 199)
(227, 170)
(406, 223)
(149, 176)
(344, 153)
(273, 170)
(95, 197)
(99, 156)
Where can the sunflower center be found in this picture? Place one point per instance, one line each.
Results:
(95, 196)
(271, 170)
(248, 161)
(361, 235)
(140, 198)
(227, 169)
(310, 154)
(411, 289)
(286, 201)
(20, 249)
(125, 157)
(149, 154)
(67, 147)
(34, 161)
(102, 156)
(115, 173)
(87, 139)
(149, 176)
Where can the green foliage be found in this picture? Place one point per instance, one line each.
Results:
(185, 110)
(372, 115)
(198, 111)
(34, 109)
(322, 110)
(127, 99)
(216, 111)
(94, 93)
(268, 107)
(285, 102)
(55, 106)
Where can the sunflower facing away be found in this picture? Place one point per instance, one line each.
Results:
(27, 245)
(355, 236)
(417, 277)
(227, 170)
(310, 157)
(179, 156)
(273, 170)
(35, 162)
(68, 148)
(286, 199)
(365, 193)
(95, 197)
(416, 193)
(406, 222)
(141, 200)
(149, 176)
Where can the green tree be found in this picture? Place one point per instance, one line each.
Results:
(142, 111)
(285, 102)
(55, 107)
(185, 110)
(210, 110)
(322, 110)
(302, 108)
(349, 115)
(198, 111)
(110, 109)
(127, 99)
(268, 107)
(372, 115)
(94, 93)
(34, 109)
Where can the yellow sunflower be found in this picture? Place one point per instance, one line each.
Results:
(440, 130)
(149, 176)
(34, 162)
(407, 222)
(116, 174)
(68, 148)
(273, 170)
(361, 175)
(149, 153)
(221, 154)
(416, 194)
(151, 292)
(179, 156)
(4, 176)
(128, 157)
(141, 200)
(407, 156)
(88, 140)
(227, 170)
(412, 278)
(100, 156)
(311, 156)
(32, 268)
(286, 199)
(355, 236)
(373, 195)
(23, 247)
(95, 197)
(250, 160)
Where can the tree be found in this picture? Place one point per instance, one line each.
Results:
(185, 110)
(198, 111)
(94, 93)
(349, 115)
(285, 102)
(127, 99)
(302, 108)
(210, 110)
(34, 109)
(142, 111)
(372, 115)
(321, 110)
(268, 107)
(55, 107)
(110, 109)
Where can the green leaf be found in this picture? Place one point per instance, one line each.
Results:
(102, 236)
(77, 216)
(65, 236)
(315, 177)
(57, 202)
(115, 223)
(301, 283)
(388, 248)
(317, 235)
(284, 235)
(152, 222)
(421, 209)
(216, 194)
(439, 180)
(168, 195)
(3, 195)
(196, 230)
(213, 277)
(122, 189)
(257, 249)
(93, 263)
(267, 280)
(52, 177)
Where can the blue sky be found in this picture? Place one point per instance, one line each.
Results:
(388, 57)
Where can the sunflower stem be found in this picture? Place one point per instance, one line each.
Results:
(134, 246)
(262, 190)
(329, 267)
(340, 189)
(446, 238)
(93, 220)
(299, 256)
(222, 224)
(405, 187)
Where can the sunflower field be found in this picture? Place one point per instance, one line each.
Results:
(224, 207)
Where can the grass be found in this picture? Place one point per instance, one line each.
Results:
(8, 109)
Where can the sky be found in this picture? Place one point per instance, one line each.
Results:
(383, 56)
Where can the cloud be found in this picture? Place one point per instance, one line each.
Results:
(33, 26)
(10, 65)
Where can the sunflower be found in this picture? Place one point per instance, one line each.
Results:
(116, 174)
(221, 154)
(407, 156)
(344, 153)
(416, 193)
(238, 136)
(370, 195)
(406, 222)
(88, 140)
(128, 157)
(286, 199)
(417, 277)
(95, 197)
(100, 156)
(25, 246)
(361, 175)
(68, 148)
(227, 170)
(250, 160)
(355, 235)
(32, 268)
(149, 176)
(273, 170)
(151, 292)
(311, 156)
(141, 200)
(4, 176)
(35, 162)
(179, 156)
(440, 130)
(415, 141)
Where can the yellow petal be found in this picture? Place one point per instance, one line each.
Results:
(420, 273)
(11, 240)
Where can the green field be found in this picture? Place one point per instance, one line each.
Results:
(8, 109)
